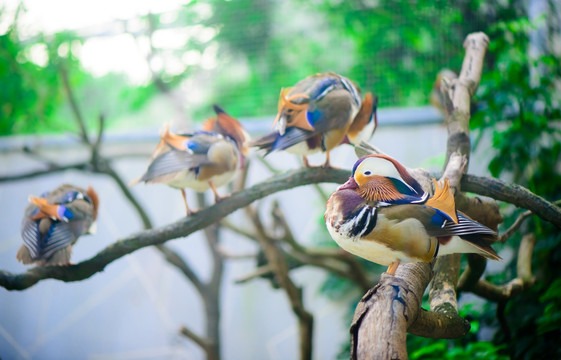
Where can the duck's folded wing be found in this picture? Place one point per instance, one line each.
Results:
(31, 237)
(437, 224)
(274, 141)
(172, 162)
(466, 226)
(59, 236)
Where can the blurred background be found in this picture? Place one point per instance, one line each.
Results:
(138, 64)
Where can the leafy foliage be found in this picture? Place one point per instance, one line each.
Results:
(394, 42)
(33, 96)
(522, 110)
(29, 94)
(467, 347)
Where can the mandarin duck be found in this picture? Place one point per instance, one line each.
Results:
(202, 160)
(53, 223)
(382, 214)
(436, 97)
(317, 114)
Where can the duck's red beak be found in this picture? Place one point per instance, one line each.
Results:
(350, 184)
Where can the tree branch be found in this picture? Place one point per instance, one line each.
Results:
(202, 342)
(180, 228)
(524, 279)
(82, 166)
(458, 93)
(379, 328)
(334, 260)
(73, 103)
(173, 258)
(381, 318)
(277, 261)
(513, 194)
(439, 325)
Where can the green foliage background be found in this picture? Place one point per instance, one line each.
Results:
(394, 48)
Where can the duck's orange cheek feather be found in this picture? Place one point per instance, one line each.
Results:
(378, 188)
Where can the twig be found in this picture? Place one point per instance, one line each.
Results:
(277, 260)
(524, 279)
(82, 166)
(256, 273)
(173, 258)
(472, 273)
(518, 222)
(202, 342)
(333, 260)
(96, 145)
(238, 229)
(515, 226)
(108, 170)
(73, 103)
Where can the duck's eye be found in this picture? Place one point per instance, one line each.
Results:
(367, 173)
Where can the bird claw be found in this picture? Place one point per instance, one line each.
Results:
(218, 198)
(191, 212)
(329, 166)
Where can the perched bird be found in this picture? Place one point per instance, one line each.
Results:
(383, 215)
(204, 159)
(436, 98)
(317, 114)
(365, 123)
(53, 223)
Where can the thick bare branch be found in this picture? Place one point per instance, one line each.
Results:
(181, 228)
(381, 319)
(439, 325)
(483, 210)
(442, 295)
(513, 194)
(458, 93)
(524, 261)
